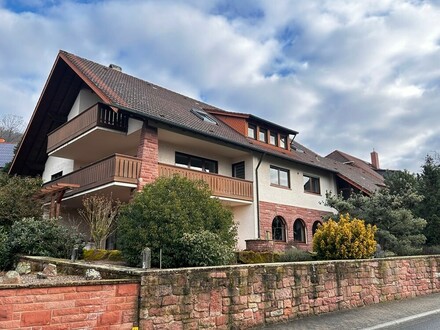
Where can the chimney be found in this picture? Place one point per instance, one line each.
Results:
(115, 67)
(375, 160)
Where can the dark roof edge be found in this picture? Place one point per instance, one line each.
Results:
(356, 185)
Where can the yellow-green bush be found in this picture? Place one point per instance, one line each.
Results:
(346, 239)
(100, 254)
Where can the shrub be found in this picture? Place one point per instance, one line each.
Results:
(43, 237)
(162, 212)
(5, 253)
(433, 249)
(294, 254)
(346, 239)
(203, 249)
(252, 257)
(99, 254)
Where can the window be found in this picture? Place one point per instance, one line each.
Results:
(238, 170)
(315, 226)
(196, 163)
(283, 141)
(299, 231)
(279, 176)
(273, 139)
(56, 175)
(278, 229)
(203, 116)
(262, 135)
(311, 184)
(252, 131)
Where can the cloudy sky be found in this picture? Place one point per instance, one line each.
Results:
(348, 75)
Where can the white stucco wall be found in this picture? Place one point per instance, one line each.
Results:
(85, 99)
(55, 165)
(295, 195)
(244, 216)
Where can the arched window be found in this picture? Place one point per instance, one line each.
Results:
(315, 226)
(299, 231)
(278, 229)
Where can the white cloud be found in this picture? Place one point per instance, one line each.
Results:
(349, 75)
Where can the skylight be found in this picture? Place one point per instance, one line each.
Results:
(204, 116)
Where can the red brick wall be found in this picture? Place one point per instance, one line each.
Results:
(268, 211)
(148, 151)
(105, 307)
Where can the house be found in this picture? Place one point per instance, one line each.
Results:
(6, 152)
(96, 129)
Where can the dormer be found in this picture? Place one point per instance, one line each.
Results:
(257, 128)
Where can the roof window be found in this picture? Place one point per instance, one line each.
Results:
(204, 116)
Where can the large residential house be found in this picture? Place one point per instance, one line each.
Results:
(97, 130)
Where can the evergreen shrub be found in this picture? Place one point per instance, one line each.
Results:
(346, 239)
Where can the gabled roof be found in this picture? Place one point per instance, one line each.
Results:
(70, 73)
(6, 153)
(357, 171)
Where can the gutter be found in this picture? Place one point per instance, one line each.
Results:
(258, 193)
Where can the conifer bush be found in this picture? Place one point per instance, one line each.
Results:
(349, 238)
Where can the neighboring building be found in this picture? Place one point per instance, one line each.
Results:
(6, 152)
(96, 129)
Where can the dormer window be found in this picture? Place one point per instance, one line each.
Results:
(252, 131)
(283, 141)
(273, 139)
(204, 116)
(262, 135)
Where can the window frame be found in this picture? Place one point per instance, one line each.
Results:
(313, 180)
(278, 183)
(264, 131)
(283, 141)
(252, 127)
(282, 228)
(203, 115)
(188, 165)
(234, 170)
(275, 136)
(303, 231)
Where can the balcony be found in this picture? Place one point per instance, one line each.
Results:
(221, 186)
(114, 169)
(99, 115)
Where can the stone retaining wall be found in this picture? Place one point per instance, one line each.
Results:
(246, 296)
(234, 297)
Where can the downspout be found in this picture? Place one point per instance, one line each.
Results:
(258, 193)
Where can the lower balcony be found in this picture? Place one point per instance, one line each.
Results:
(117, 169)
(221, 186)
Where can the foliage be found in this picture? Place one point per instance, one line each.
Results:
(294, 254)
(11, 127)
(43, 237)
(99, 254)
(398, 229)
(17, 198)
(252, 257)
(428, 187)
(432, 249)
(5, 252)
(203, 249)
(163, 211)
(99, 213)
(349, 238)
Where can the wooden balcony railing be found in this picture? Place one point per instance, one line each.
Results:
(116, 168)
(221, 186)
(99, 115)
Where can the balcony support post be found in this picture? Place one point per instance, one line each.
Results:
(148, 152)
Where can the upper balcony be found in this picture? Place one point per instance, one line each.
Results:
(222, 186)
(98, 129)
(116, 170)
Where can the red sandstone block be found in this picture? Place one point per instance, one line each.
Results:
(127, 290)
(49, 297)
(87, 288)
(14, 324)
(109, 318)
(35, 318)
(60, 304)
(76, 295)
(18, 299)
(88, 302)
(65, 311)
(123, 306)
(76, 317)
(61, 289)
(7, 293)
(5, 313)
(28, 307)
(93, 309)
(27, 292)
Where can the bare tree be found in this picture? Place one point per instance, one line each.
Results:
(100, 212)
(11, 128)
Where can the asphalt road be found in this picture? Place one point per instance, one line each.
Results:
(420, 313)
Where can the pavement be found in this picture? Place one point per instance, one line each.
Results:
(386, 315)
